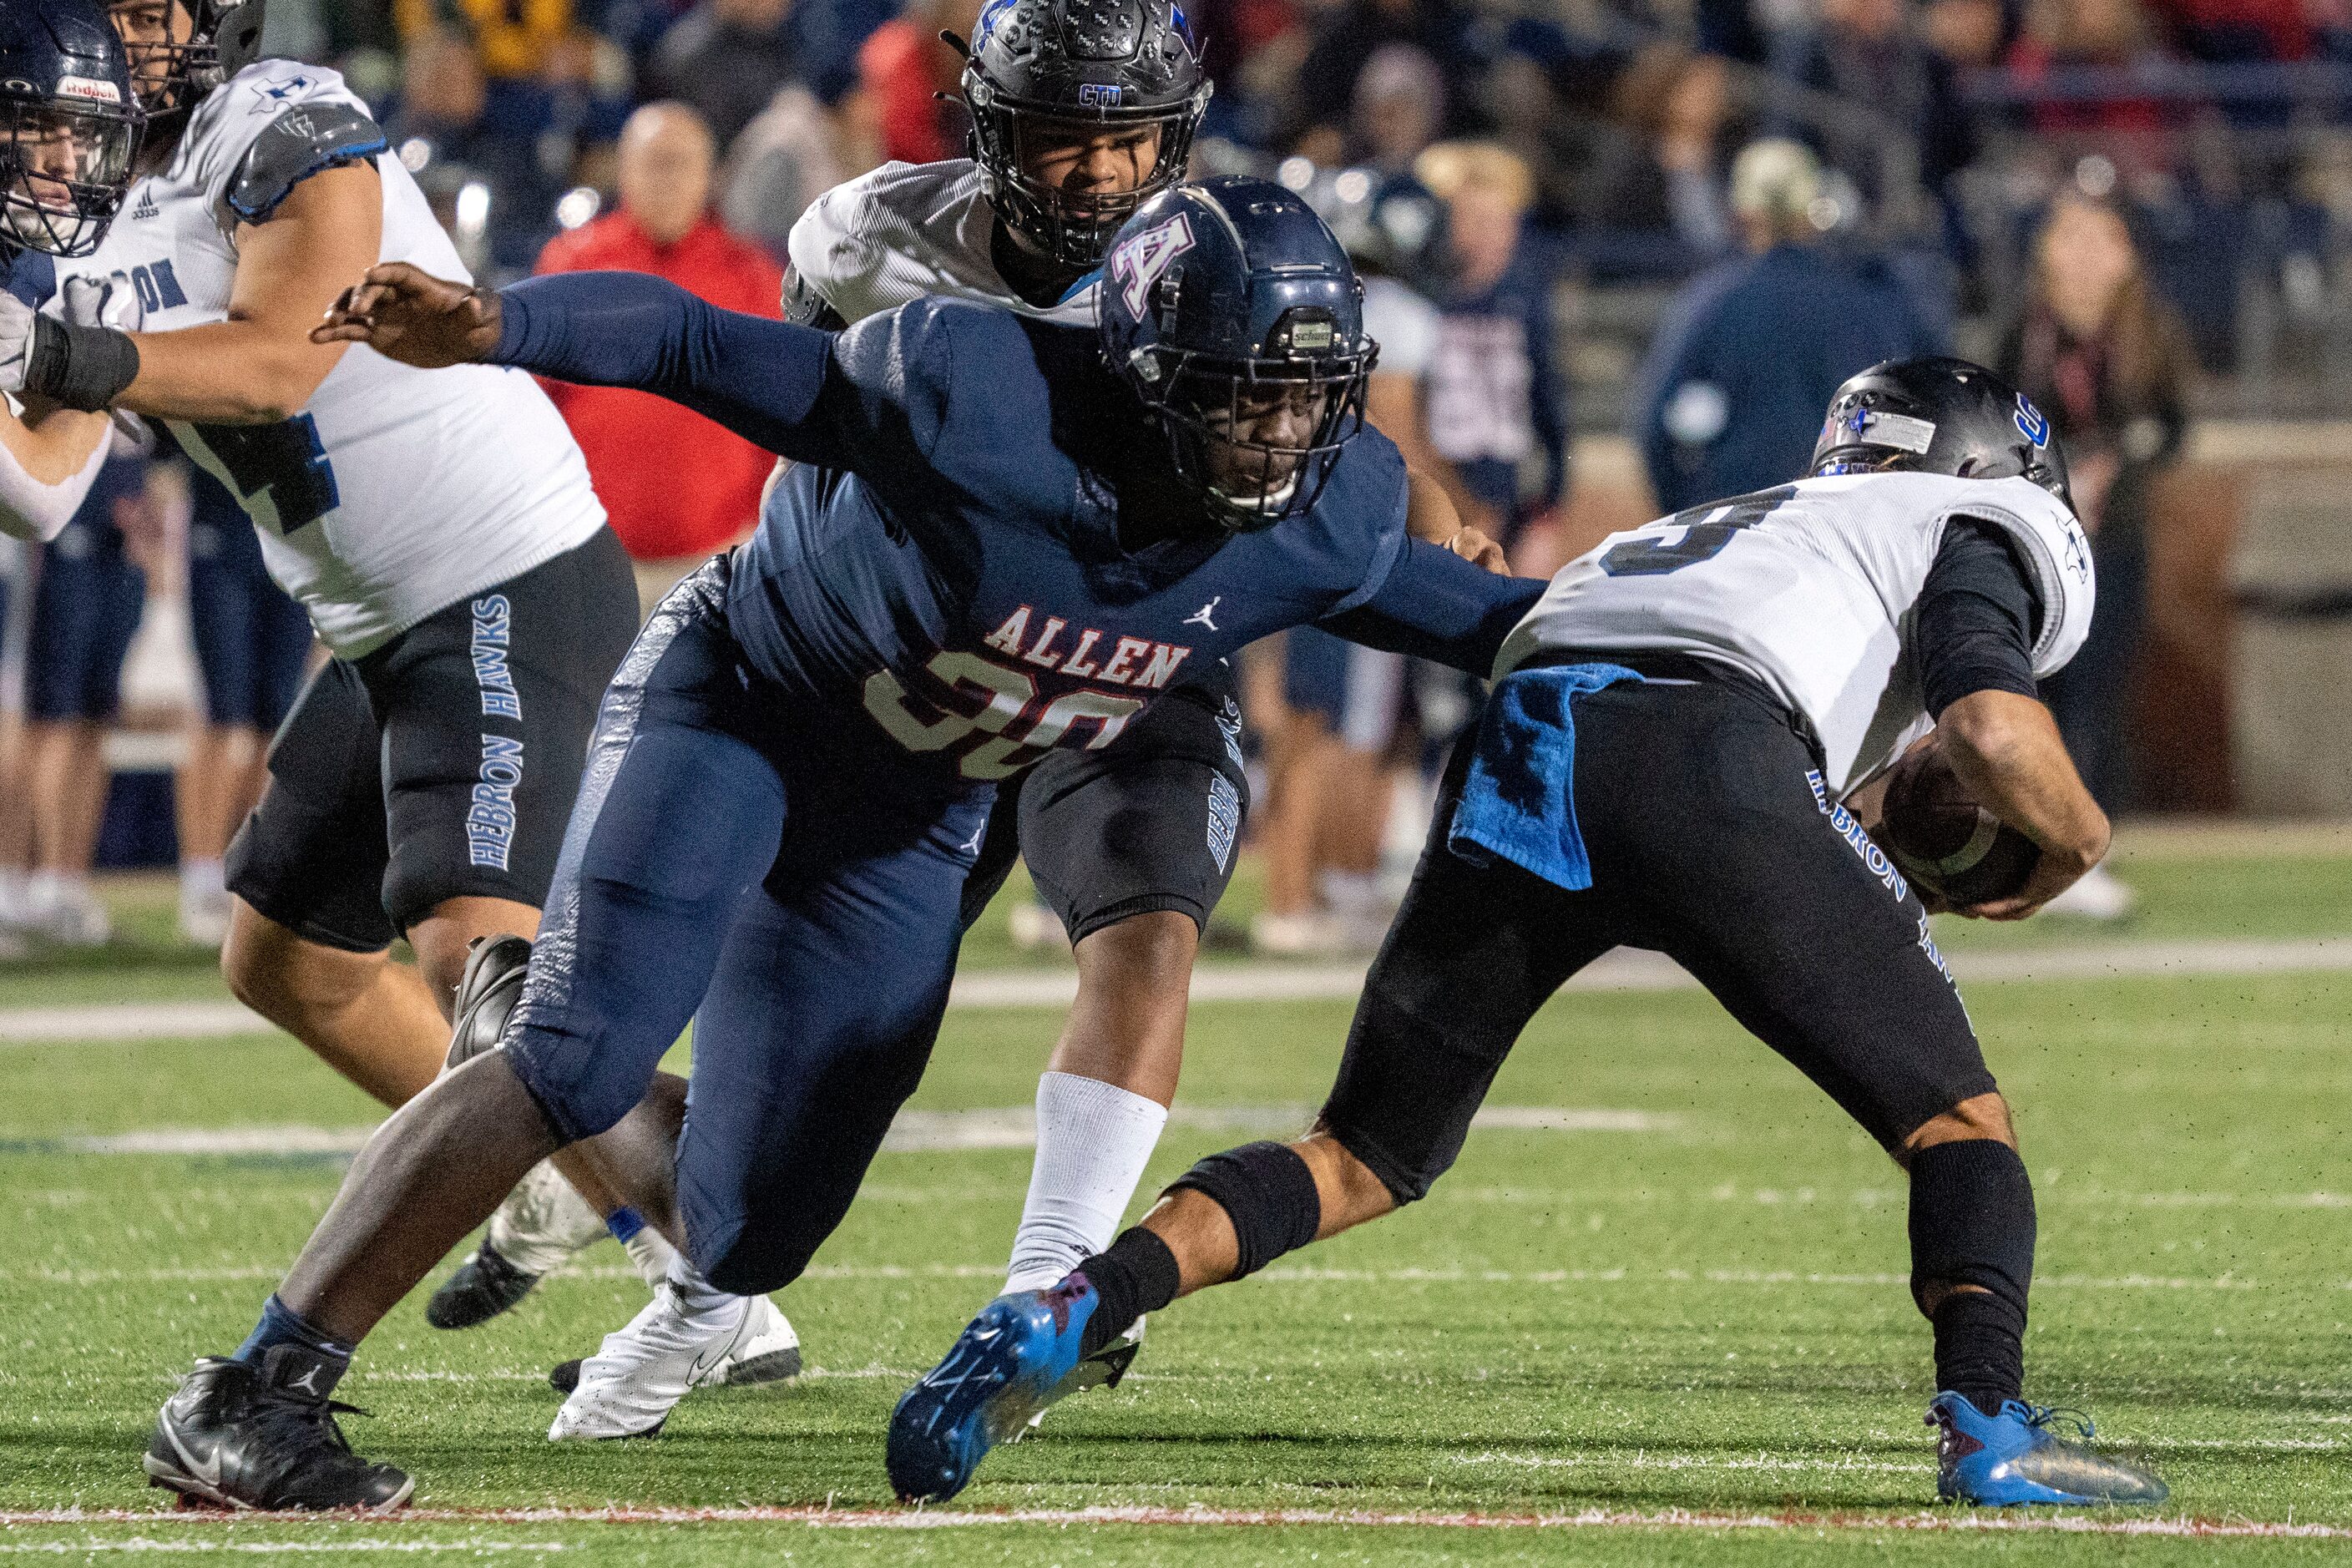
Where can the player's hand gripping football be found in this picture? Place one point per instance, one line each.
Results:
(409, 315)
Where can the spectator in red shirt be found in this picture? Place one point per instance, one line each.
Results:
(679, 487)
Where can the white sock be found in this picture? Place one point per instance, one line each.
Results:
(695, 1295)
(1093, 1141)
(652, 1254)
(202, 880)
(15, 904)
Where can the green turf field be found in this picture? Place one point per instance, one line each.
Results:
(1693, 1319)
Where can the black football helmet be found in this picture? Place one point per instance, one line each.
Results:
(182, 49)
(69, 126)
(1939, 416)
(1218, 299)
(1089, 65)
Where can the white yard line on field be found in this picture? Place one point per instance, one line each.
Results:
(1623, 970)
(338, 1545)
(914, 1132)
(1940, 1522)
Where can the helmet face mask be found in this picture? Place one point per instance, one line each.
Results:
(182, 49)
(64, 169)
(1047, 82)
(1258, 438)
(69, 127)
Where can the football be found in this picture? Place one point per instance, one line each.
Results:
(1943, 839)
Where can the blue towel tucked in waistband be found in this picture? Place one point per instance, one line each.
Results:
(1519, 800)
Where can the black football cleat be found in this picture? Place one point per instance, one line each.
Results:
(484, 1286)
(240, 1436)
(487, 995)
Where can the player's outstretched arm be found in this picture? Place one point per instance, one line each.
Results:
(2006, 748)
(759, 378)
(1437, 605)
(49, 456)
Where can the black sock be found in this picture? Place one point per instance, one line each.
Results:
(1979, 1349)
(1137, 1273)
(281, 1325)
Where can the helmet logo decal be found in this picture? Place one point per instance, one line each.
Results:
(1100, 95)
(1876, 427)
(88, 90)
(2031, 423)
(1140, 261)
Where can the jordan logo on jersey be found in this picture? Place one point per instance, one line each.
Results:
(1141, 261)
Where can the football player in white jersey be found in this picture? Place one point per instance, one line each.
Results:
(1662, 764)
(443, 536)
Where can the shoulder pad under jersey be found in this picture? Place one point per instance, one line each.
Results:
(303, 141)
(2057, 557)
(805, 307)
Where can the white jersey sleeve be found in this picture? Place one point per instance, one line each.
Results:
(907, 230)
(1404, 324)
(395, 493)
(261, 132)
(1812, 589)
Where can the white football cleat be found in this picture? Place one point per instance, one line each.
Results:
(543, 1222)
(681, 1341)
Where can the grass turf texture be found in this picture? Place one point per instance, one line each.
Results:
(1710, 1318)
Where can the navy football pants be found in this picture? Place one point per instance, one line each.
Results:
(742, 860)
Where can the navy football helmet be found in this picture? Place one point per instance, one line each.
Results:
(182, 49)
(1234, 314)
(1063, 69)
(70, 125)
(1939, 416)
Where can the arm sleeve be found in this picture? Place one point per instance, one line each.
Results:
(774, 384)
(31, 509)
(1438, 606)
(1976, 618)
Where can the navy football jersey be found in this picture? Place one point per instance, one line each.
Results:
(987, 550)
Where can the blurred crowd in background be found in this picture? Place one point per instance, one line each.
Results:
(1676, 222)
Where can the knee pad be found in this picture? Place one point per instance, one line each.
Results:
(487, 995)
(1972, 1220)
(1268, 1193)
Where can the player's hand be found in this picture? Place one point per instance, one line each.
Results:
(409, 315)
(108, 302)
(1478, 550)
(2053, 874)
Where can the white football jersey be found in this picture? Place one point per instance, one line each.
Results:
(907, 230)
(1812, 589)
(397, 491)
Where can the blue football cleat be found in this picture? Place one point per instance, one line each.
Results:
(1010, 1363)
(2001, 1461)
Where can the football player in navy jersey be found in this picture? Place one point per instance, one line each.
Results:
(1007, 537)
